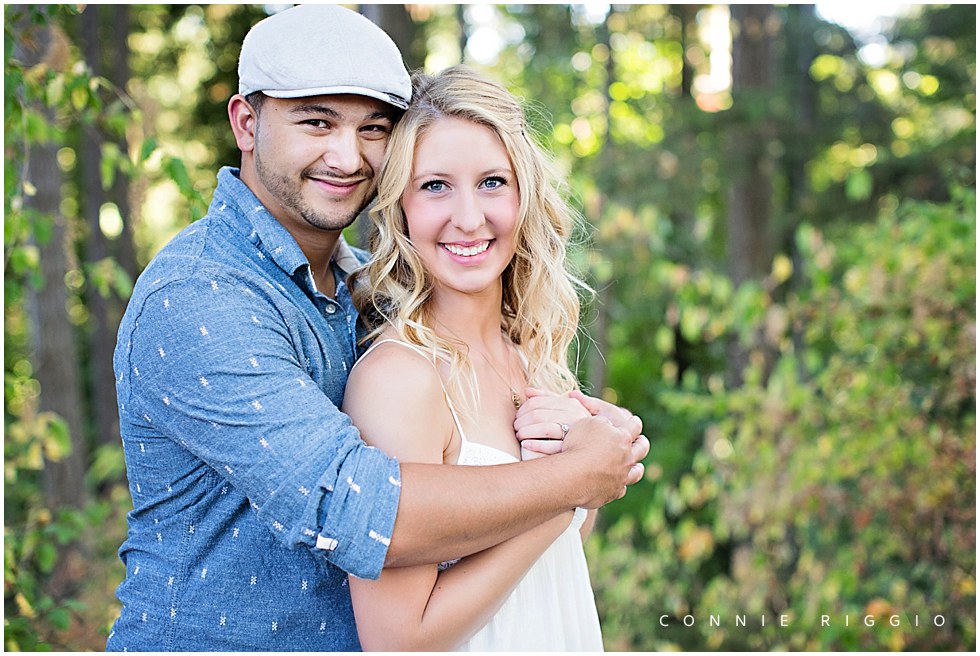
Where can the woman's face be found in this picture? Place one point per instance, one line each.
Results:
(462, 205)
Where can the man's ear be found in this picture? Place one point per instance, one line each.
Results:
(243, 119)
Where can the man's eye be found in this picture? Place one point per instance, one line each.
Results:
(376, 131)
(316, 123)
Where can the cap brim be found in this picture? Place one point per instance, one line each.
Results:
(391, 99)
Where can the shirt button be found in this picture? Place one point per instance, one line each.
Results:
(325, 543)
(331, 309)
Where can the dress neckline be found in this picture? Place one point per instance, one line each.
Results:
(465, 443)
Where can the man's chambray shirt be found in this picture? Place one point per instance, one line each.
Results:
(253, 495)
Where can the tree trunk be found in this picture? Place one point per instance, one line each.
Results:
(118, 73)
(687, 16)
(800, 26)
(56, 359)
(103, 312)
(54, 356)
(605, 292)
(755, 28)
(753, 78)
(463, 36)
(396, 21)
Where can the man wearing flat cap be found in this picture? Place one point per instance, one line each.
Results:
(253, 495)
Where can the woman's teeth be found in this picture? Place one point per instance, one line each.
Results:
(467, 251)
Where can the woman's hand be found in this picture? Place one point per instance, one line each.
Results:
(544, 419)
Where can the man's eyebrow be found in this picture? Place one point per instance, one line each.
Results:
(383, 115)
(329, 112)
(322, 110)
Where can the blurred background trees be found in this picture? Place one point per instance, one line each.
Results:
(782, 235)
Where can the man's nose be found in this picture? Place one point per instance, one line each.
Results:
(343, 152)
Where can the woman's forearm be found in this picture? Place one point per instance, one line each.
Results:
(588, 524)
(457, 604)
(468, 594)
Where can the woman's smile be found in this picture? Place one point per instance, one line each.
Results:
(467, 252)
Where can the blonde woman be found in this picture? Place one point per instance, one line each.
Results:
(468, 303)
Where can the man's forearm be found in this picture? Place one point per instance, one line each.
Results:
(449, 511)
(452, 511)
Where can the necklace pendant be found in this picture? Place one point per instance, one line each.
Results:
(515, 399)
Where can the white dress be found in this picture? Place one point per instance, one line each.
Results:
(553, 606)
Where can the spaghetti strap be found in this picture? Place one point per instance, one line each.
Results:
(427, 356)
(393, 341)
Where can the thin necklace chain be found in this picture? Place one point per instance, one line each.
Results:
(515, 398)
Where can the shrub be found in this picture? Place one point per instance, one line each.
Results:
(836, 486)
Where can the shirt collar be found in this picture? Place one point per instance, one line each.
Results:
(261, 227)
(344, 257)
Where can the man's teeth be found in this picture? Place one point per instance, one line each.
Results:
(467, 251)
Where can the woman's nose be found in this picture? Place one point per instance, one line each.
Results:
(468, 214)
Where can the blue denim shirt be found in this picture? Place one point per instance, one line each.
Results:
(253, 495)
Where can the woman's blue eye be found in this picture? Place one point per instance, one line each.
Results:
(494, 182)
(434, 185)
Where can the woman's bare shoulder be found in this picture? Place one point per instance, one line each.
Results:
(390, 362)
(395, 397)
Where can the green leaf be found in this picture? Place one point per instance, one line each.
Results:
(47, 556)
(147, 149)
(109, 163)
(859, 185)
(57, 441)
(55, 90)
(60, 618)
(79, 98)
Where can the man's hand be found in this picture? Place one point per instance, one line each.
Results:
(607, 449)
(606, 458)
(599, 408)
(618, 417)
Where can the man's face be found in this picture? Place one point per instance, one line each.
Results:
(316, 158)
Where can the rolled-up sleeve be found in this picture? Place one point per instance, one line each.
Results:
(220, 366)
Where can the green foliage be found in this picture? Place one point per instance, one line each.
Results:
(839, 480)
(32, 532)
(48, 96)
(31, 552)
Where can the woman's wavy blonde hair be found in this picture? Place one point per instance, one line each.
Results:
(540, 305)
